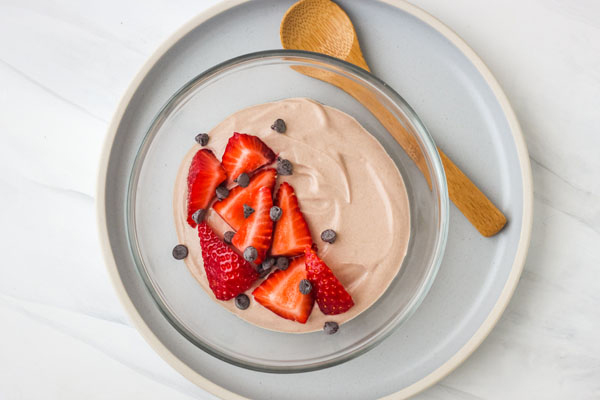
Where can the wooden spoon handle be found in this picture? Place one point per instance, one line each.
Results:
(478, 209)
(467, 197)
(471, 201)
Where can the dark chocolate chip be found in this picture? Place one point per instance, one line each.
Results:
(275, 213)
(222, 192)
(247, 210)
(180, 252)
(283, 263)
(198, 216)
(270, 261)
(284, 167)
(243, 180)
(228, 236)
(279, 126)
(331, 327)
(202, 139)
(328, 235)
(250, 254)
(305, 286)
(265, 267)
(242, 301)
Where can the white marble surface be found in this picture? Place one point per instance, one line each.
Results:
(65, 63)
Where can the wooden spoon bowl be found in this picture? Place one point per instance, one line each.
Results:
(323, 27)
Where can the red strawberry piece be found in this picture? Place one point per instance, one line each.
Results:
(227, 272)
(331, 296)
(205, 174)
(291, 234)
(231, 209)
(280, 293)
(245, 153)
(257, 229)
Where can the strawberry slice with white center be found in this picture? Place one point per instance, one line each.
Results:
(231, 209)
(205, 174)
(331, 296)
(257, 229)
(245, 153)
(291, 234)
(280, 293)
(228, 274)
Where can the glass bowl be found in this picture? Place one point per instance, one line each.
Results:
(259, 78)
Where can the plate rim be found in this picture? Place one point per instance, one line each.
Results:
(449, 365)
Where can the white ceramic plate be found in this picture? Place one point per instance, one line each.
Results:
(468, 115)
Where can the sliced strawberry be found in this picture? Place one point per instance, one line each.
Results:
(331, 296)
(245, 153)
(205, 174)
(227, 272)
(291, 233)
(231, 209)
(280, 293)
(257, 229)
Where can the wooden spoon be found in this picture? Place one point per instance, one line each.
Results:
(322, 26)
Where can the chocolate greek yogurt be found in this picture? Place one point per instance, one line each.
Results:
(314, 212)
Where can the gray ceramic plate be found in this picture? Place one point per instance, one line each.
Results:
(469, 117)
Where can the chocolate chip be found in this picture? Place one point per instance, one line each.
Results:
(265, 267)
(228, 236)
(283, 263)
(250, 254)
(242, 301)
(305, 286)
(198, 216)
(275, 213)
(284, 167)
(328, 235)
(222, 192)
(331, 327)
(180, 252)
(279, 126)
(243, 179)
(247, 210)
(270, 261)
(202, 139)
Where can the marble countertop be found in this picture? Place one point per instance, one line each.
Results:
(65, 64)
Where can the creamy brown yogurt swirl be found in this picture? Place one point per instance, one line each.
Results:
(344, 181)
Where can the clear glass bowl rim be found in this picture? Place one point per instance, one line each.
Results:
(433, 160)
